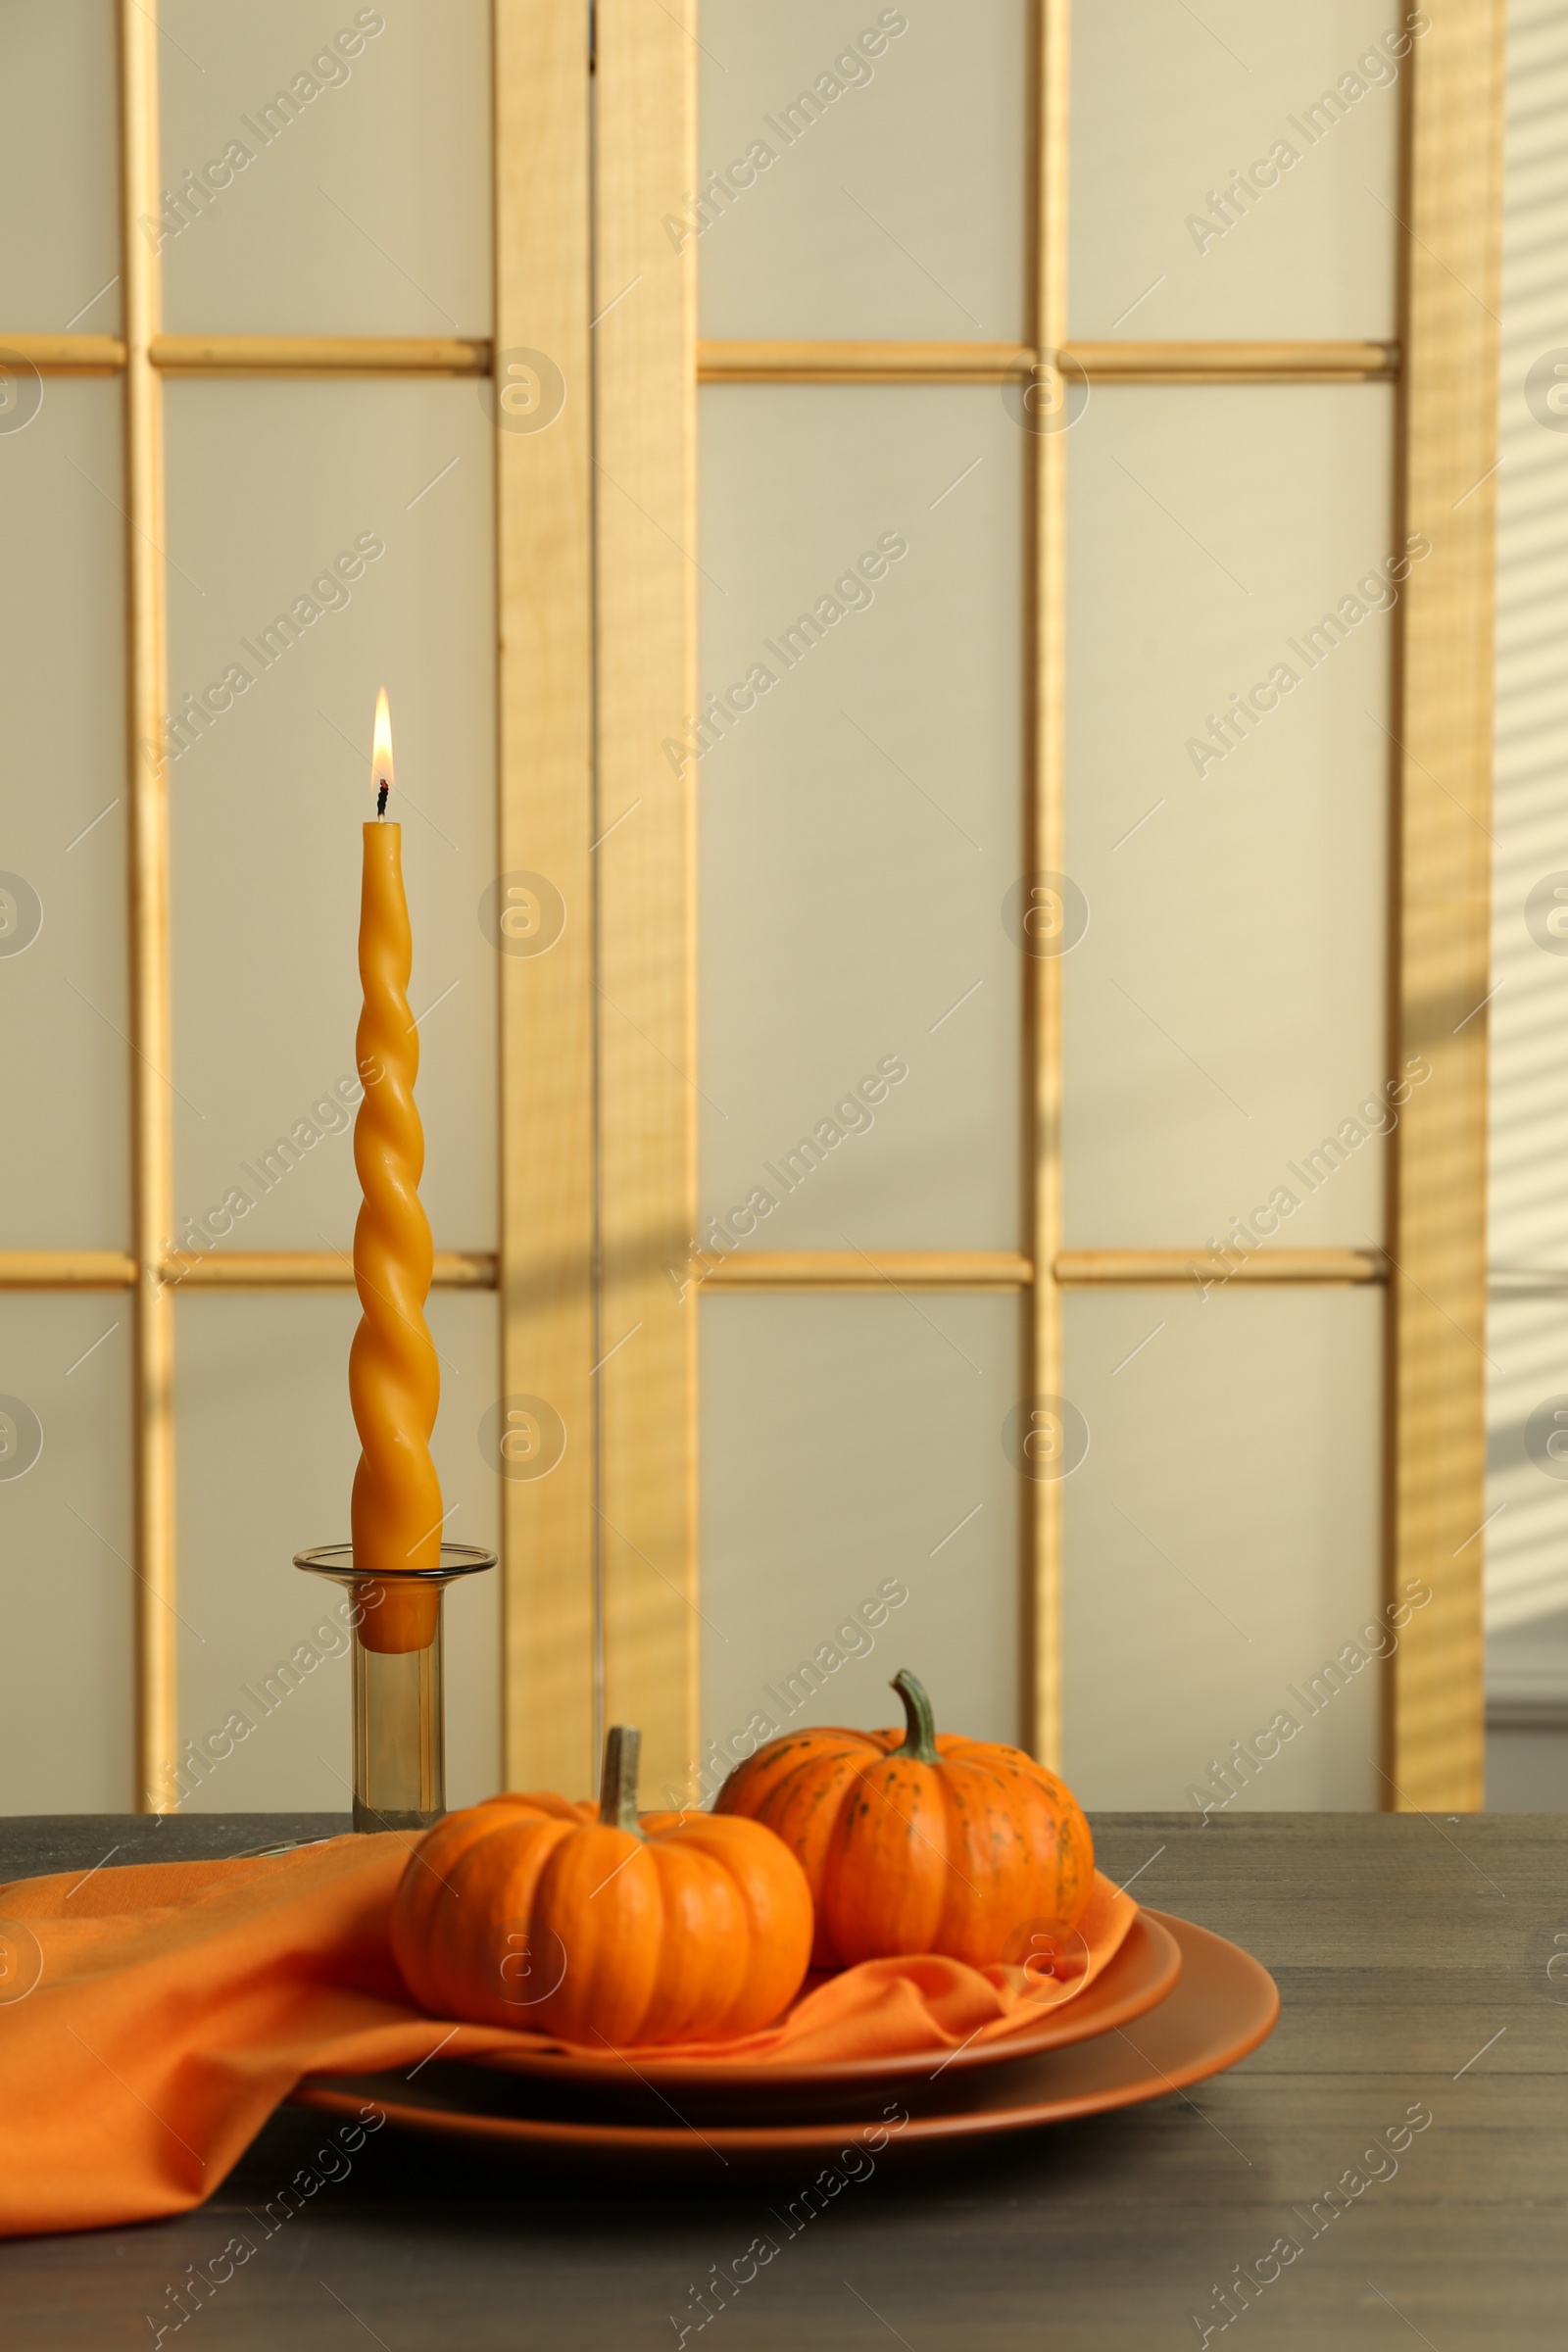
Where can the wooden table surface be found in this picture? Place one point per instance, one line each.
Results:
(1412, 1957)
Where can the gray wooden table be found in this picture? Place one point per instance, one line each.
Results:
(1414, 1961)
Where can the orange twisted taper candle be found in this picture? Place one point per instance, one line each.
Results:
(394, 1383)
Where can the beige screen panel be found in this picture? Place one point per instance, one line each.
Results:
(1222, 1544)
(1228, 996)
(269, 799)
(64, 1143)
(267, 1451)
(1169, 104)
(863, 171)
(859, 824)
(60, 161)
(66, 1697)
(1527, 1480)
(848, 1445)
(1527, 1331)
(330, 171)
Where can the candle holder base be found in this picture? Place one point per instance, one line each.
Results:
(399, 1695)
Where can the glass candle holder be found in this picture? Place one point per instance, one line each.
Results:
(400, 1761)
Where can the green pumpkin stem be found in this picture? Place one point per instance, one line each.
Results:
(920, 1735)
(617, 1787)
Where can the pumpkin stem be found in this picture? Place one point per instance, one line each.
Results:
(617, 1787)
(920, 1735)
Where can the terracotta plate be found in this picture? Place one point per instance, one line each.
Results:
(1141, 1974)
(1222, 2006)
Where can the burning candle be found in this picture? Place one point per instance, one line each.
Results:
(394, 1383)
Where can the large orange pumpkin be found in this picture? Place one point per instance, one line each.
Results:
(533, 1912)
(921, 1843)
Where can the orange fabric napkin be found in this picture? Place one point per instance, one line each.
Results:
(158, 2013)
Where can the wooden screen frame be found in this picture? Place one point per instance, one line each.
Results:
(596, 522)
(1444, 366)
(1435, 1453)
(545, 810)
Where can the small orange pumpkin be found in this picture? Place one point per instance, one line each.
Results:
(930, 1843)
(533, 1912)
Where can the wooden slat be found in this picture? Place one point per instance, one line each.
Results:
(743, 1270)
(152, 1135)
(1040, 1500)
(645, 360)
(735, 363)
(869, 1270)
(67, 1270)
(1452, 203)
(759, 363)
(543, 688)
(66, 354)
(1103, 362)
(311, 1270)
(1092, 1269)
(224, 1269)
(320, 354)
(1234, 363)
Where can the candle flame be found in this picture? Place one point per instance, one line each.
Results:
(381, 752)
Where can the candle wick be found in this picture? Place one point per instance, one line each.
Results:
(381, 802)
